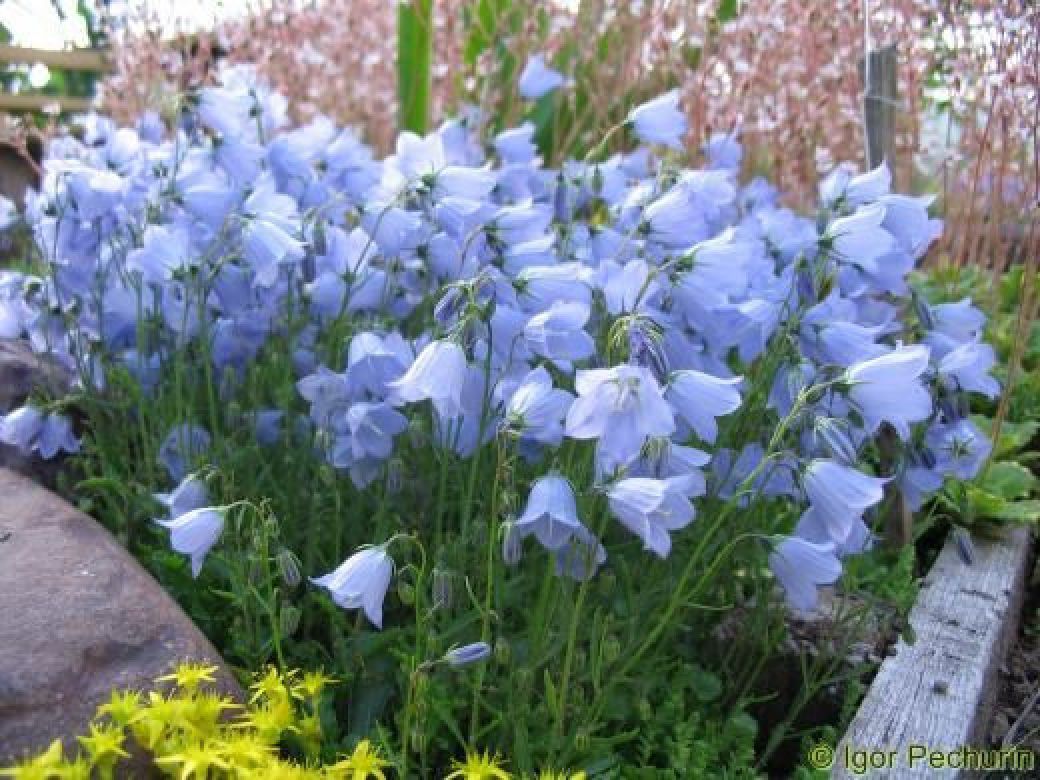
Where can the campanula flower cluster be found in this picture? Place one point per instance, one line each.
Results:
(653, 342)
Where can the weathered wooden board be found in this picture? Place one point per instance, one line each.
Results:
(937, 694)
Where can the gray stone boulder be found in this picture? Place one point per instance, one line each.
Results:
(78, 617)
(23, 372)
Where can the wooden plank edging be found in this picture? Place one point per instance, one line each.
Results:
(938, 693)
(97, 60)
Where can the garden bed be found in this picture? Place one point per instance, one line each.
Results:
(931, 703)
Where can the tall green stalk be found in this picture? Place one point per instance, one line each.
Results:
(414, 64)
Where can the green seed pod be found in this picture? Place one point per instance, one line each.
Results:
(582, 741)
(406, 593)
(503, 651)
(289, 619)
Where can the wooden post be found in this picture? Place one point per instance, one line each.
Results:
(880, 101)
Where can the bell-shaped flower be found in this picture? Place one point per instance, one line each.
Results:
(700, 398)
(190, 494)
(840, 494)
(374, 360)
(723, 151)
(860, 239)
(536, 409)
(373, 427)
(20, 428)
(56, 436)
(361, 582)
(621, 407)
(551, 513)
(558, 333)
(867, 187)
(438, 374)
(967, 368)
(659, 121)
(195, 532)
(516, 146)
(650, 508)
(580, 556)
(537, 78)
(801, 567)
(182, 444)
(667, 220)
(906, 218)
(889, 389)
(960, 448)
(327, 392)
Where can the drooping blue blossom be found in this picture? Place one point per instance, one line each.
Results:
(551, 514)
(361, 582)
(967, 368)
(650, 508)
(536, 409)
(840, 494)
(889, 389)
(801, 567)
(537, 78)
(699, 398)
(659, 121)
(621, 408)
(438, 374)
(195, 532)
(183, 444)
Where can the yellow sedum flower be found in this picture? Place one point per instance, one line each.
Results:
(45, 766)
(272, 686)
(478, 766)
(193, 761)
(104, 744)
(189, 676)
(312, 684)
(364, 763)
(122, 707)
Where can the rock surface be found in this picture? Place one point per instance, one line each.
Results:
(21, 373)
(78, 617)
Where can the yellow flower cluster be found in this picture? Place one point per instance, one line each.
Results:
(192, 733)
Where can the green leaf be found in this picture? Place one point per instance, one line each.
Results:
(1013, 436)
(706, 686)
(727, 11)
(1009, 480)
(983, 504)
(414, 64)
(1019, 511)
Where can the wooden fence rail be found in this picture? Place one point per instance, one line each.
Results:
(96, 61)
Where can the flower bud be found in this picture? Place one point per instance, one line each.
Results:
(503, 651)
(468, 654)
(611, 648)
(406, 593)
(442, 590)
(289, 567)
(512, 544)
(582, 741)
(289, 619)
